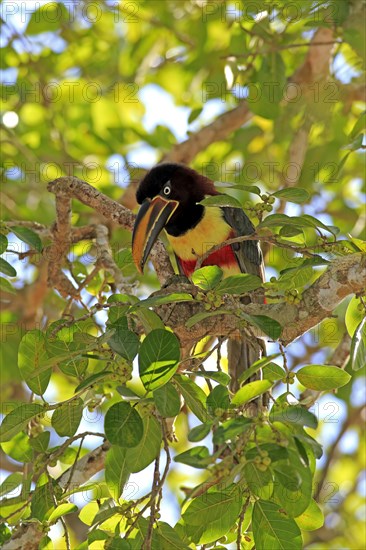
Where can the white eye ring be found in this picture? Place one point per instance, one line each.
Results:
(167, 190)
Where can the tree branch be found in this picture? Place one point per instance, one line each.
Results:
(344, 276)
(72, 187)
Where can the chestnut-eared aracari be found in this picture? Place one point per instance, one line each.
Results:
(169, 195)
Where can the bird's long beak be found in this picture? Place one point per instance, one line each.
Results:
(151, 219)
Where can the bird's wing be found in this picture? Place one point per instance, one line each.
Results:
(248, 253)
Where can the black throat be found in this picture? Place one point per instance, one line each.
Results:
(185, 218)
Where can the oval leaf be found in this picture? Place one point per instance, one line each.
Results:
(221, 200)
(16, 420)
(312, 518)
(116, 471)
(194, 397)
(6, 268)
(124, 342)
(239, 284)
(167, 400)
(292, 194)
(207, 277)
(3, 243)
(148, 447)
(123, 425)
(28, 236)
(158, 358)
(32, 356)
(273, 529)
(66, 419)
(250, 391)
(322, 377)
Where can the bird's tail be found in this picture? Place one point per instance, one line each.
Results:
(241, 355)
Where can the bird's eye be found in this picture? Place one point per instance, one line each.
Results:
(167, 190)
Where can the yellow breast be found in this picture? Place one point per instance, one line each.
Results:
(211, 230)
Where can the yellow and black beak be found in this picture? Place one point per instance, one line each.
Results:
(150, 221)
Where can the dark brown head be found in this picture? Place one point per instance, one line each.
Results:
(168, 195)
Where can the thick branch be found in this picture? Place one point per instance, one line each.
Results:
(343, 277)
(218, 130)
(89, 465)
(60, 247)
(72, 187)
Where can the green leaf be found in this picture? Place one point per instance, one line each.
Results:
(207, 277)
(239, 284)
(215, 512)
(322, 377)
(269, 326)
(275, 452)
(241, 187)
(149, 319)
(288, 476)
(41, 442)
(124, 342)
(93, 379)
(6, 268)
(264, 98)
(358, 347)
(116, 470)
(168, 537)
(230, 429)
(259, 483)
(312, 518)
(290, 231)
(5, 286)
(3, 243)
(158, 358)
(32, 355)
(28, 236)
(67, 417)
(359, 243)
(16, 420)
(293, 495)
(19, 448)
(250, 391)
(195, 113)
(359, 126)
(148, 448)
(272, 529)
(292, 194)
(197, 457)
(123, 425)
(353, 316)
(42, 501)
(273, 372)
(218, 376)
(167, 400)
(61, 511)
(199, 432)
(218, 399)
(353, 146)
(76, 366)
(48, 20)
(194, 396)
(175, 297)
(10, 483)
(293, 414)
(260, 364)
(221, 201)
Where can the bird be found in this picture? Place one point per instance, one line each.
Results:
(170, 196)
